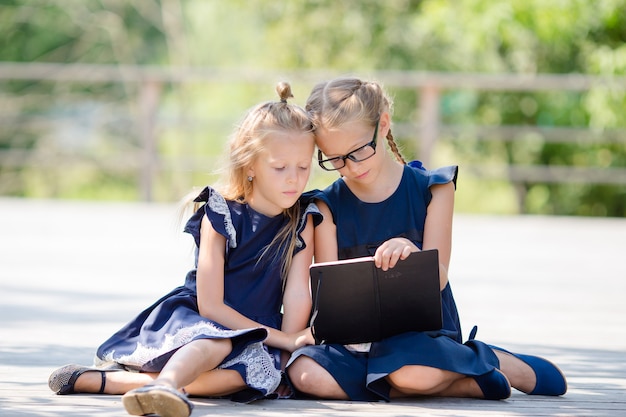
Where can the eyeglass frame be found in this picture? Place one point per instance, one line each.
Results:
(349, 155)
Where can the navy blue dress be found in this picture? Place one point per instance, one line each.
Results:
(252, 286)
(361, 228)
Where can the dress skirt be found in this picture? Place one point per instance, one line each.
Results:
(362, 375)
(147, 342)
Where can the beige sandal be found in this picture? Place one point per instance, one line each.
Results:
(161, 400)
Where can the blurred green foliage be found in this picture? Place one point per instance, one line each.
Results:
(94, 123)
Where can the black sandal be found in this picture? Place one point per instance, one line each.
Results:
(63, 379)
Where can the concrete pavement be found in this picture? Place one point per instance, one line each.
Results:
(71, 273)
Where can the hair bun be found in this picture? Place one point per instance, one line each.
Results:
(284, 91)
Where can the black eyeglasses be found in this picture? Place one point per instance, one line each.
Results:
(360, 154)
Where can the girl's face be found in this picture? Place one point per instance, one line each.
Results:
(353, 140)
(281, 172)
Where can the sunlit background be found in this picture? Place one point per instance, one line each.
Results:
(133, 100)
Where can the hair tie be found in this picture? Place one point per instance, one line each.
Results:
(283, 100)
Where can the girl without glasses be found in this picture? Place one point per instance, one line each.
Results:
(222, 332)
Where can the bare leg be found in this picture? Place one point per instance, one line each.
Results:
(216, 383)
(416, 380)
(212, 383)
(193, 359)
(118, 382)
(412, 380)
(465, 387)
(312, 379)
(163, 396)
(521, 376)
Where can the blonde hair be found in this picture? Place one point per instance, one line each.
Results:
(246, 144)
(336, 102)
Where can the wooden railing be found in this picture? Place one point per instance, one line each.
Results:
(148, 82)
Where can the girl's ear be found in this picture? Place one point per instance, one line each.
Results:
(250, 172)
(384, 124)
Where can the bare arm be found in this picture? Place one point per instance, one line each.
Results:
(437, 234)
(210, 289)
(297, 296)
(326, 249)
(438, 227)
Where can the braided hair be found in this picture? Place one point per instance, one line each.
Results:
(333, 103)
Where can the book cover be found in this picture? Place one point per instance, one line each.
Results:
(356, 302)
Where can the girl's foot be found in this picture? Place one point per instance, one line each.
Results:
(549, 378)
(161, 400)
(63, 380)
(494, 385)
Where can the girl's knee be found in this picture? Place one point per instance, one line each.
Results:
(299, 372)
(309, 377)
(212, 348)
(305, 374)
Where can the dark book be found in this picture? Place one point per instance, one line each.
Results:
(356, 302)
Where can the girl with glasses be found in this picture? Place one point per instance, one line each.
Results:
(383, 207)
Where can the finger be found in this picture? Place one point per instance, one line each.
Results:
(395, 256)
(405, 252)
(379, 255)
(378, 261)
(384, 262)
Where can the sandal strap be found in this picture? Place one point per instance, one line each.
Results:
(103, 383)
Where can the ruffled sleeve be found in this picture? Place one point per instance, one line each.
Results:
(312, 195)
(307, 207)
(217, 211)
(441, 175)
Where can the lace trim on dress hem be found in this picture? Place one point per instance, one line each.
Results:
(260, 371)
(144, 354)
